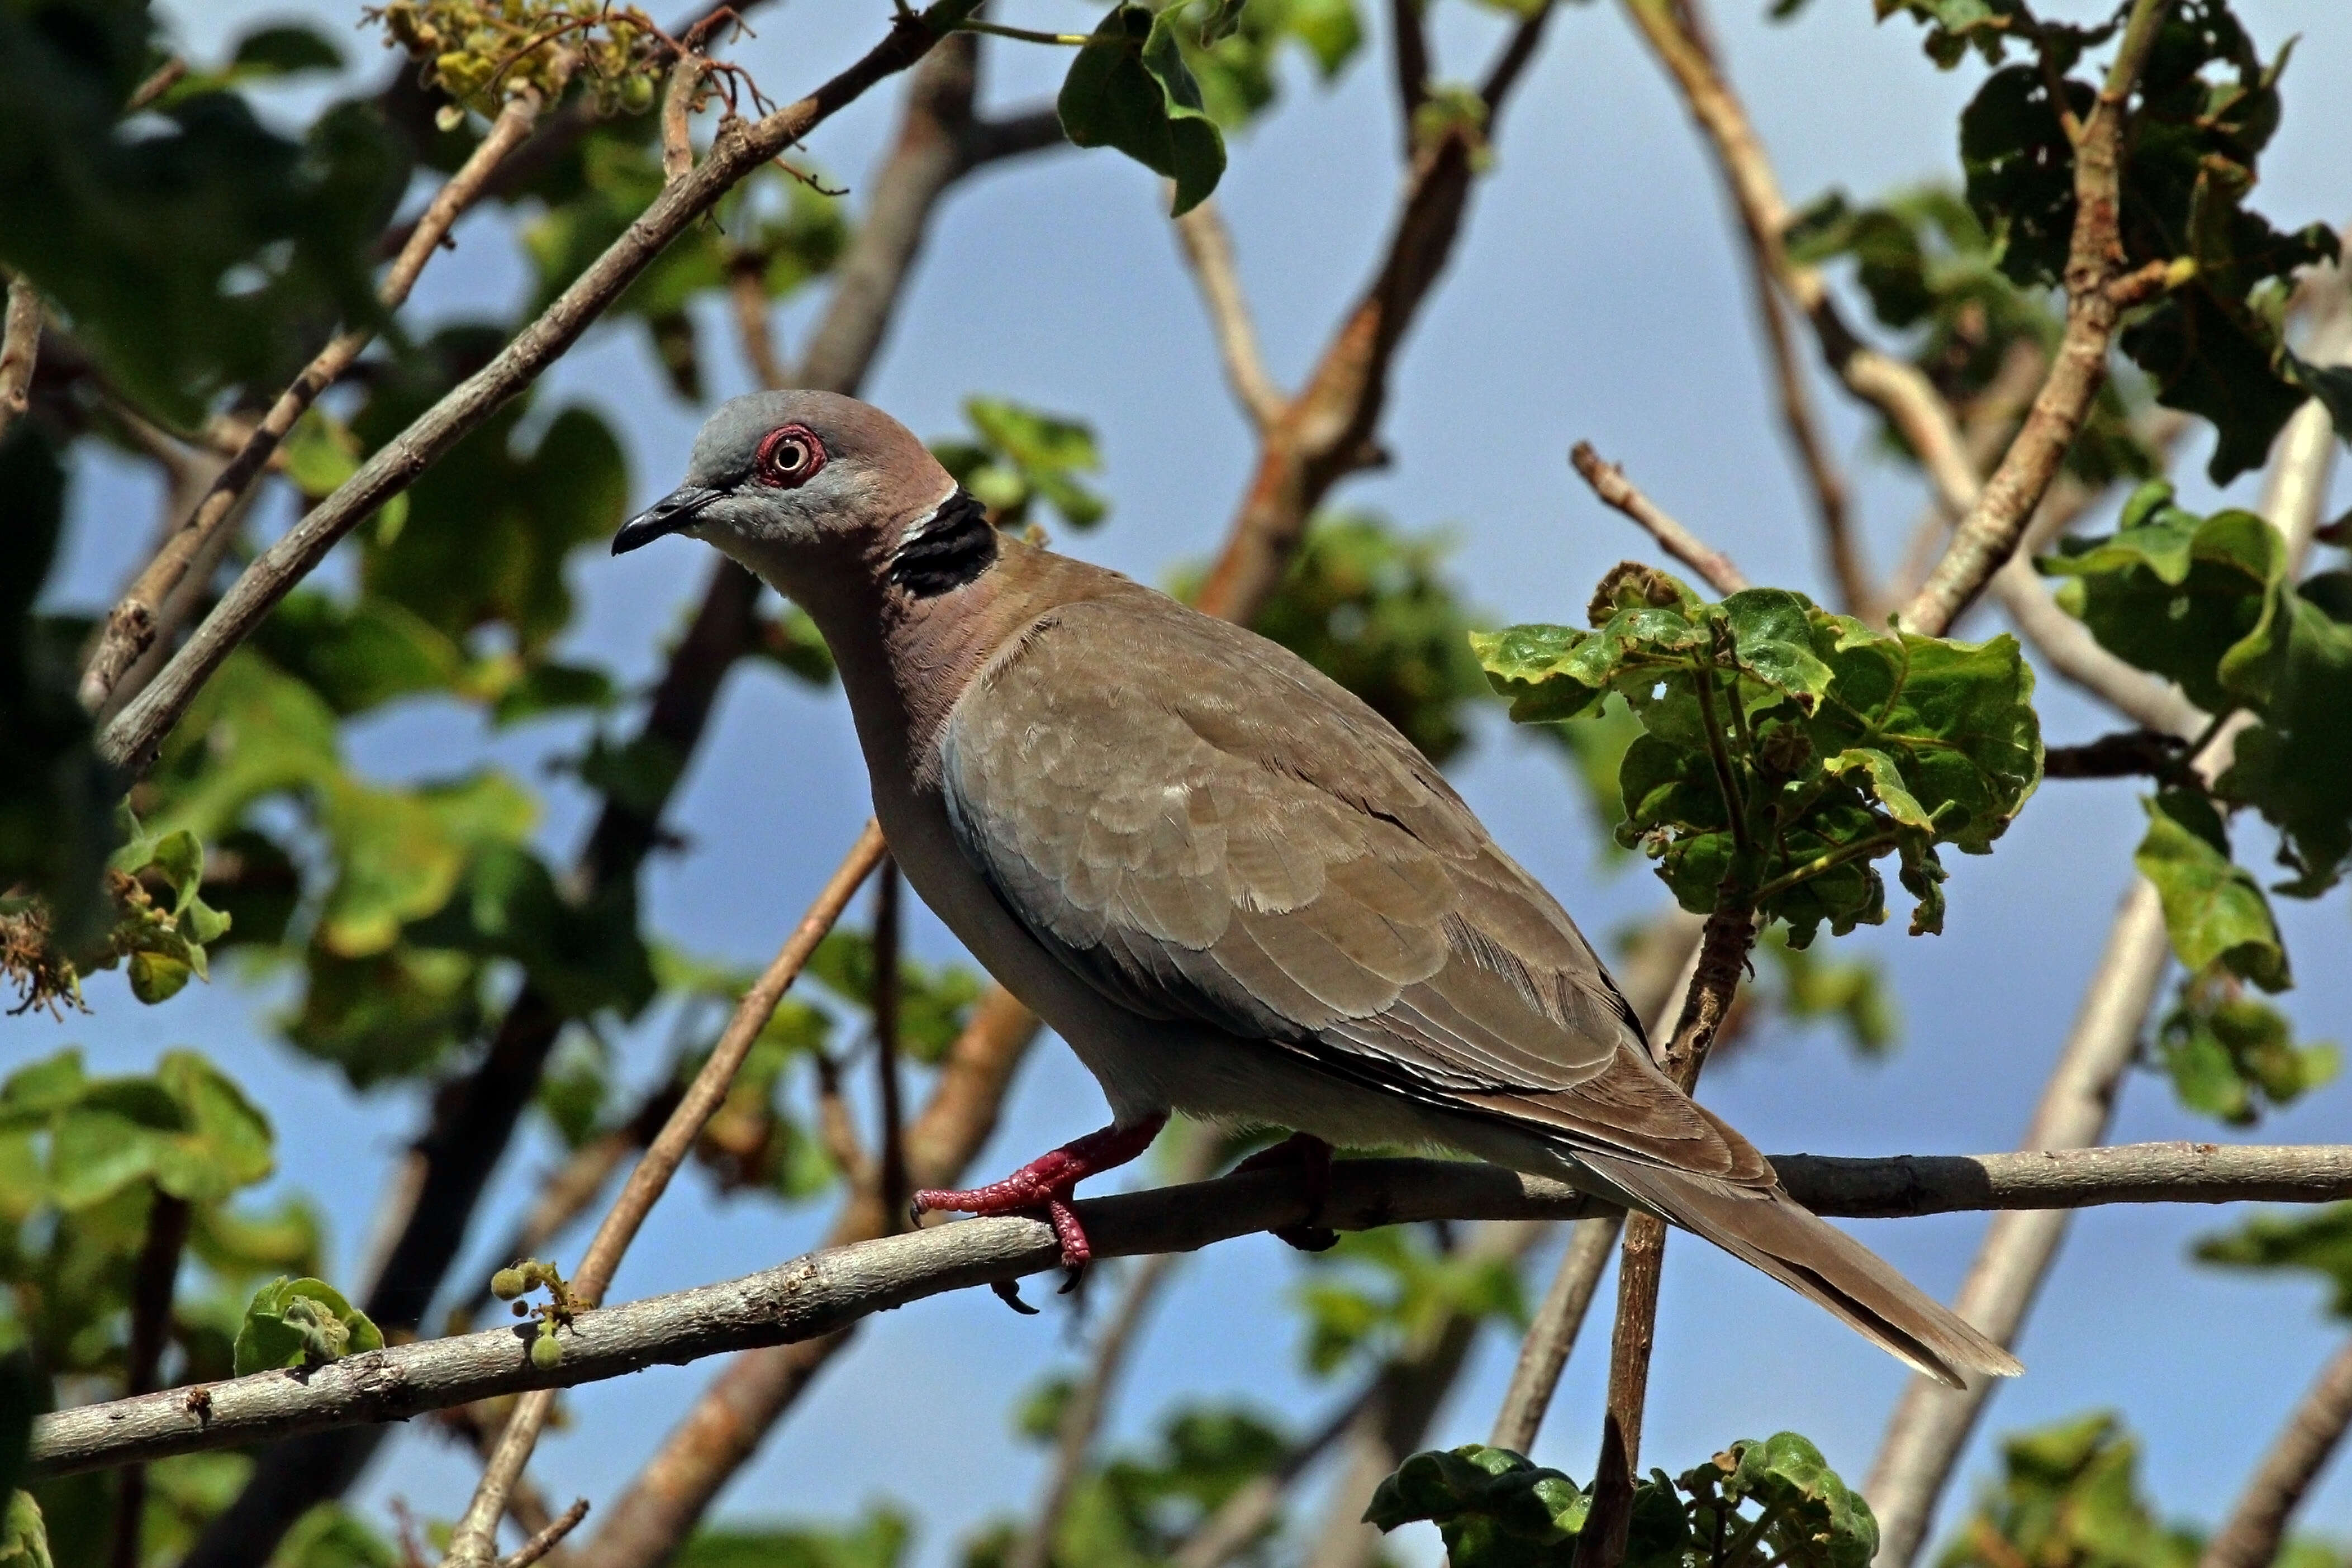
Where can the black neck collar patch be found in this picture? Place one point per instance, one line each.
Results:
(946, 550)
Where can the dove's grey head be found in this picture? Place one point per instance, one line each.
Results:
(777, 476)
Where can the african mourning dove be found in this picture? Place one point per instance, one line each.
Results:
(1232, 888)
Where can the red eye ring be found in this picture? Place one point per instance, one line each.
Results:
(789, 457)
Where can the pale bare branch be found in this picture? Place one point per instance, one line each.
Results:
(825, 1291)
(1610, 483)
(2256, 1528)
(1208, 248)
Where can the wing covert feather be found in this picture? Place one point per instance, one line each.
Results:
(1206, 827)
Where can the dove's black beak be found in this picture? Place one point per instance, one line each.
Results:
(675, 510)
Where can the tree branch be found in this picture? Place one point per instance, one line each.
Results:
(140, 619)
(1326, 432)
(475, 1540)
(1208, 248)
(1930, 1423)
(1900, 392)
(1610, 483)
(825, 1291)
(1543, 1355)
(20, 349)
(2255, 1529)
(1988, 534)
(132, 737)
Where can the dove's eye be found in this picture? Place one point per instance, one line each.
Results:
(788, 455)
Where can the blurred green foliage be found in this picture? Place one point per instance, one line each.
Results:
(1756, 1503)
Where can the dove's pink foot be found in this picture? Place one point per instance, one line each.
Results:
(1045, 1183)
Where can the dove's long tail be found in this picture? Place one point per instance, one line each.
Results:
(1793, 1245)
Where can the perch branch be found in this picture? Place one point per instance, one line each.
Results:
(825, 1291)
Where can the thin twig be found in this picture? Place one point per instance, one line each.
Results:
(1899, 391)
(160, 80)
(474, 1539)
(1329, 430)
(890, 1169)
(1715, 981)
(677, 115)
(1208, 248)
(20, 349)
(1543, 1353)
(825, 1291)
(740, 147)
(138, 620)
(545, 1541)
(2256, 1527)
(1610, 483)
(1411, 64)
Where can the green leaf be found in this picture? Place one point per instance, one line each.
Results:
(301, 1322)
(2317, 1242)
(1023, 456)
(1129, 88)
(2232, 1056)
(2069, 1493)
(1495, 1508)
(2296, 767)
(2215, 911)
(1785, 748)
(24, 1537)
(1814, 1518)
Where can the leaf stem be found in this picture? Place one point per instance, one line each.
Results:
(1733, 804)
(1027, 35)
(1859, 849)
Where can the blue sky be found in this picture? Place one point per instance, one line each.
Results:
(1596, 296)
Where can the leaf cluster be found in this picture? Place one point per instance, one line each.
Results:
(1135, 1505)
(187, 246)
(1930, 269)
(480, 52)
(2206, 602)
(1019, 459)
(2232, 1056)
(2068, 1497)
(1754, 1504)
(1784, 748)
(2206, 106)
